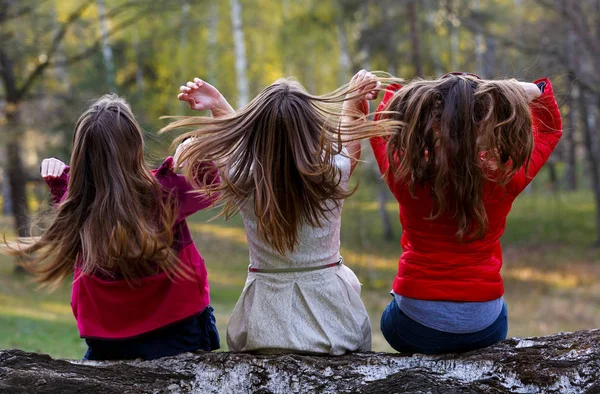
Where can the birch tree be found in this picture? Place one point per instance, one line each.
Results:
(240, 53)
(107, 53)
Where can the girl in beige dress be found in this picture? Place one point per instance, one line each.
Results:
(285, 169)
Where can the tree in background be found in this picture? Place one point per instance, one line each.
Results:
(63, 52)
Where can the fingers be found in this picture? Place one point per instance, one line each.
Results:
(372, 95)
(367, 84)
(52, 168)
(44, 170)
(198, 82)
(179, 151)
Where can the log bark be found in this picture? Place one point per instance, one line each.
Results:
(561, 363)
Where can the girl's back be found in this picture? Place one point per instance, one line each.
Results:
(282, 169)
(305, 300)
(140, 287)
(316, 245)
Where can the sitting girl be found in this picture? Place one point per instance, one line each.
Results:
(465, 150)
(284, 169)
(140, 287)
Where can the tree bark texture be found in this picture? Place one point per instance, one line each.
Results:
(561, 363)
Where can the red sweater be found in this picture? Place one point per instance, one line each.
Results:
(434, 265)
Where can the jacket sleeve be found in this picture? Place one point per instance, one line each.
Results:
(188, 200)
(58, 186)
(547, 130)
(379, 144)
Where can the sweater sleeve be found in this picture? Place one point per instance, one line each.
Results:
(58, 186)
(547, 130)
(379, 144)
(189, 201)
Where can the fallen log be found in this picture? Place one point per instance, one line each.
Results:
(561, 363)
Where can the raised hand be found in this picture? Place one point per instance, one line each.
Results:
(367, 84)
(201, 95)
(531, 89)
(365, 87)
(52, 168)
(179, 151)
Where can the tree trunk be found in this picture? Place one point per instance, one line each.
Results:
(571, 180)
(213, 40)
(479, 46)
(413, 21)
(240, 52)
(561, 363)
(588, 122)
(489, 65)
(17, 179)
(454, 39)
(139, 64)
(382, 199)
(107, 54)
(344, 60)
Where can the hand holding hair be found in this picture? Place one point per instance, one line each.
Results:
(52, 168)
(365, 86)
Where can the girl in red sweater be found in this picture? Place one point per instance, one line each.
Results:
(140, 287)
(466, 149)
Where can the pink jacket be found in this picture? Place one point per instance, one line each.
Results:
(113, 309)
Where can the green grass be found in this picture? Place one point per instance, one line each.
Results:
(552, 275)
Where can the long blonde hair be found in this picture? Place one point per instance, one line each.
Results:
(278, 152)
(114, 220)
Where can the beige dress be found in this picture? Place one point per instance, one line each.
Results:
(316, 311)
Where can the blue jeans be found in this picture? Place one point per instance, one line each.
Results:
(197, 332)
(407, 336)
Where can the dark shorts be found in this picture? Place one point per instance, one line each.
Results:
(197, 332)
(407, 336)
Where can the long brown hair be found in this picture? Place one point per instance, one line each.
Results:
(113, 219)
(278, 152)
(455, 134)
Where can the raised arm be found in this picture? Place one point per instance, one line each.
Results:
(379, 144)
(547, 130)
(367, 89)
(201, 96)
(56, 175)
(188, 199)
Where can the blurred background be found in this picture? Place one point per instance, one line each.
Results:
(57, 55)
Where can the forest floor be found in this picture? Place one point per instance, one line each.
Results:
(551, 273)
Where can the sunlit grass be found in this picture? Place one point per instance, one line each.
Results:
(552, 275)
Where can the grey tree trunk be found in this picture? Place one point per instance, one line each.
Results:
(561, 363)
(107, 54)
(415, 39)
(454, 39)
(588, 122)
(344, 60)
(489, 66)
(213, 39)
(570, 177)
(240, 52)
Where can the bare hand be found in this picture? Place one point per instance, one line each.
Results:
(179, 151)
(52, 168)
(201, 96)
(531, 90)
(366, 87)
